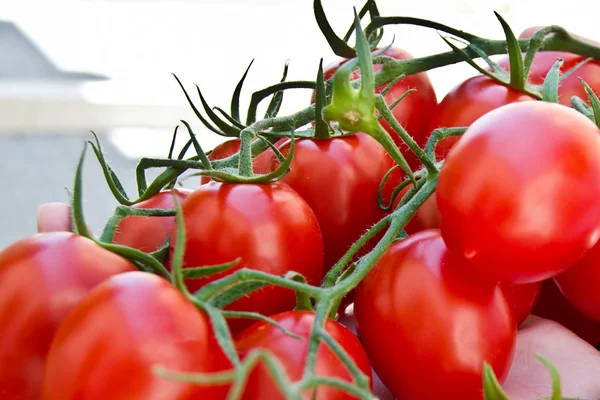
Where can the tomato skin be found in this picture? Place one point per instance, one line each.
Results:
(147, 234)
(580, 284)
(570, 86)
(426, 217)
(467, 102)
(519, 193)
(413, 112)
(552, 305)
(268, 226)
(428, 327)
(260, 163)
(522, 298)
(107, 346)
(339, 179)
(42, 278)
(291, 353)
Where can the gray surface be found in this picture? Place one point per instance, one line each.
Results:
(37, 168)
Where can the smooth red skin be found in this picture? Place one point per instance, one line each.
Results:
(543, 62)
(580, 284)
(414, 112)
(552, 305)
(268, 226)
(108, 346)
(260, 164)
(149, 233)
(42, 278)
(519, 193)
(426, 217)
(522, 298)
(428, 327)
(467, 102)
(339, 179)
(292, 352)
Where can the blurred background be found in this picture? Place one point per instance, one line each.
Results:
(71, 66)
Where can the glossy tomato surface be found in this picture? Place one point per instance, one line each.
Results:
(519, 193)
(291, 353)
(414, 112)
(580, 284)
(269, 226)
(552, 305)
(42, 278)
(108, 346)
(570, 86)
(428, 327)
(339, 178)
(522, 298)
(468, 101)
(149, 233)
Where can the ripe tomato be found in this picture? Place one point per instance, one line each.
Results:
(260, 164)
(519, 193)
(428, 327)
(522, 298)
(291, 353)
(468, 101)
(413, 112)
(426, 217)
(42, 278)
(268, 226)
(149, 233)
(580, 284)
(552, 305)
(109, 344)
(544, 60)
(339, 179)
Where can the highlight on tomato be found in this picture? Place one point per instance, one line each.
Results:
(109, 345)
(428, 327)
(518, 195)
(291, 353)
(42, 278)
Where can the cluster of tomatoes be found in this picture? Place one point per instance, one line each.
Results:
(516, 203)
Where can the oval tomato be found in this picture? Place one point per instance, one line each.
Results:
(109, 344)
(468, 101)
(552, 305)
(147, 234)
(580, 284)
(522, 298)
(291, 353)
(428, 327)
(339, 179)
(260, 163)
(413, 112)
(42, 278)
(268, 226)
(519, 193)
(570, 86)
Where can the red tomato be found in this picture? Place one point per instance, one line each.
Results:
(269, 226)
(580, 284)
(149, 233)
(291, 353)
(428, 327)
(569, 87)
(413, 112)
(109, 344)
(426, 217)
(522, 298)
(552, 305)
(519, 193)
(339, 179)
(260, 164)
(41, 279)
(468, 101)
